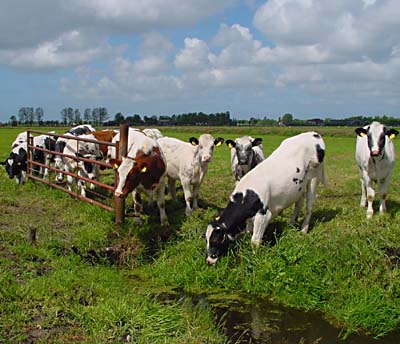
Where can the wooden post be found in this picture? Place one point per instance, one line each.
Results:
(121, 151)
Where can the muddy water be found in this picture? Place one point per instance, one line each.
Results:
(246, 319)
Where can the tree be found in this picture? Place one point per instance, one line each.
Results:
(77, 116)
(287, 119)
(39, 114)
(13, 121)
(22, 117)
(30, 115)
(87, 118)
(118, 118)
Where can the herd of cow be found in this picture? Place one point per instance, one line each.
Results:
(264, 186)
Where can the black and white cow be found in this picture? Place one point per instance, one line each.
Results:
(375, 159)
(16, 163)
(46, 142)
(246, 153)
(288, 176)
(61, 142)
(82, 149)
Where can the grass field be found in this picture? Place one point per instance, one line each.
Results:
(347, 266)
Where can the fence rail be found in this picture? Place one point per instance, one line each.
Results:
(118, 204)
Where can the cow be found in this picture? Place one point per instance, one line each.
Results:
(375, 158)
(152, 133)
(288, 176)
(142, 170)
(21, 138)
(16, 163)
(82, 149)
(46, 142)
(246, 153)
(188, 162)
(61, 143)
(106, 136)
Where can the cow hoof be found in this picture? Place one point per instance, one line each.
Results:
(369, 215)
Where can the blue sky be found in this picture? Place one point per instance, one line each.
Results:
(156, 57)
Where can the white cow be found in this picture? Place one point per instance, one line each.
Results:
(288, 176)
(246, 153)
(188, 162)
(88, 150)
(375, 158)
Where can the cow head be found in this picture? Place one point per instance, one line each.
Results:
(376, 134)
(88, 169)
(16, 163)
(217, 241)
(206, 144)
(244, 148)
(144, 169)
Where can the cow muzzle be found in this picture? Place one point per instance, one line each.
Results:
(206, 158)
(375, 153)
(211, 261)
(118, 194)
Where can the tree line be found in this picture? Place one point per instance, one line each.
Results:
(99, 116)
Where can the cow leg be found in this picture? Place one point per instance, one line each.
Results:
(261, 221)
(383, 186)
(370, 193)
(249, 225)
(160, 194)
(70, 180)
(311, 195)
(188, 195)
(172, 188)
(363, 201)
(137, 203)
(297, 208)
(196, 189)
(46, 170)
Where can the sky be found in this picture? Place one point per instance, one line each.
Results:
(310, 58)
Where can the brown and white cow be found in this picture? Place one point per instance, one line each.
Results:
(142, 170)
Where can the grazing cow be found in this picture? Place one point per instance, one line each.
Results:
(61, 143)
(288, 176)
(21, 138)
(46, 142)
(188, 163)
(246, 153)
(375, 158)
(88, 170)
(16, 163)
(142, 170)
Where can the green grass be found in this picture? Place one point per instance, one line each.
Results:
(347, 266)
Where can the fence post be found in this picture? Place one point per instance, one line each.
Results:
(119, 203)
(28, 153)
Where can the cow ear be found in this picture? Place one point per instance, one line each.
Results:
(360, 132)
(392, 133)
(256, 142)
(217, 216)
(194, 141)
(218, 141)
(115, 163)
(230, 143)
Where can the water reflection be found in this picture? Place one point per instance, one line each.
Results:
(247, 319)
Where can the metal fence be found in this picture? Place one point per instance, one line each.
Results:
(97, 198)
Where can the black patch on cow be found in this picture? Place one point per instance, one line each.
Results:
(317, 136)
(88, 167)
(60, 145)
(239, 210)
(79, 131)
(320, 153)
(297, 170)
(297, 180)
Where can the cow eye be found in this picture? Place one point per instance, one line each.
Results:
(213, 256)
